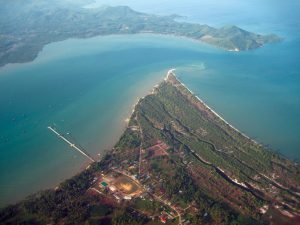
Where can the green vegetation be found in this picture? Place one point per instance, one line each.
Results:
(129, 139)
(209, 173)
(148, 206)
(68, 202)
(217, 156)
(26, 26)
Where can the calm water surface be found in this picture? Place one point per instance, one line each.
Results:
(88, 87)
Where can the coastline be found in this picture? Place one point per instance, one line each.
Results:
(12, 65)
(201, 41)
(126, 157)
(171, 72)
(223, 171)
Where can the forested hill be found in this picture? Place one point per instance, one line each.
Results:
(26, 26)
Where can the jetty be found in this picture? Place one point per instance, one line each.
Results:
(70, 143)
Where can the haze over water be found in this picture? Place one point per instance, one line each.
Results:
(87, 87)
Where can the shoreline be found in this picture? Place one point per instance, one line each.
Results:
(197, 41)
(260, 143)
(12, 65)
(171, 72)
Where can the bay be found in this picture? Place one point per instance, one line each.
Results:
(88, 88)
(85, 87)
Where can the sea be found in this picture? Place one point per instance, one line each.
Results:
(86, 88)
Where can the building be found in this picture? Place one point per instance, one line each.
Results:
(163, 218)
(104, 184)
(112, 188)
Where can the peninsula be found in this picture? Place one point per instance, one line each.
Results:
(178, 162)
(27, 26)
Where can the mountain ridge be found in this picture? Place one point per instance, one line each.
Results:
(34, 27)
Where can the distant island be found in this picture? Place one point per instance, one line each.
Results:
(178, 162)
(27, 26)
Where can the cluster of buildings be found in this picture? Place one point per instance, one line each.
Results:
(121, 186)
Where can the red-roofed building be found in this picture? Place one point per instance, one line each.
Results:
(163, 218)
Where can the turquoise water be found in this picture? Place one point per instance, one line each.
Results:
(258, 92)
(88, 87)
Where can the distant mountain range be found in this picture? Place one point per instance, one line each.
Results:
(25, 27)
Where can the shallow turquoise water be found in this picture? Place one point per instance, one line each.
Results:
(258, 92)
(88, 87)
